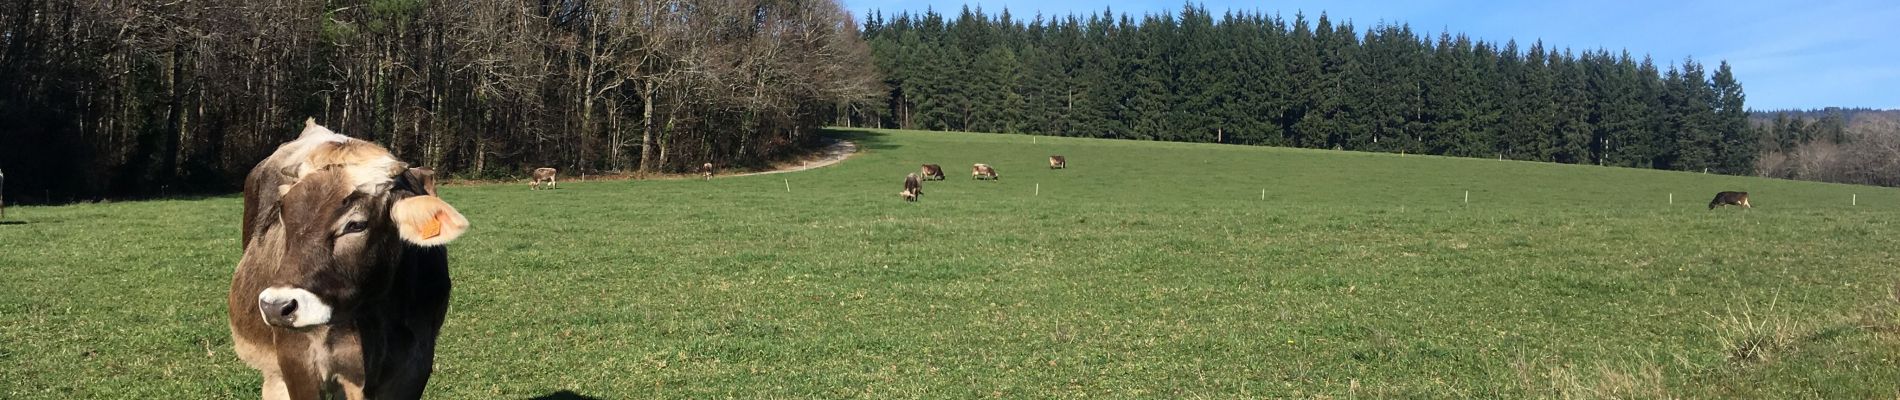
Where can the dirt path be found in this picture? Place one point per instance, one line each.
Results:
(833, 153)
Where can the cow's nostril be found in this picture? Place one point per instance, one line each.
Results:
(292, 308)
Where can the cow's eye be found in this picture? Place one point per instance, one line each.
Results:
(355, 226)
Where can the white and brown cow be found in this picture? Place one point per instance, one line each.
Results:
(982, 171)
(706, 170)
(541, 175)
(1057, 162)
(913, 188)
(344, 282)
(932, 172)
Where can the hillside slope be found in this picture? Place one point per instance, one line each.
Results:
(1146, 269)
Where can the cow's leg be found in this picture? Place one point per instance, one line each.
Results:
(302, 383)
(274, 388)
(300, 379)
(351, 389)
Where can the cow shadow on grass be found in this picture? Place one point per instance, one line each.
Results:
(565, 395)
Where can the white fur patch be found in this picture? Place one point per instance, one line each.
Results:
(368, 175)
(375, 176)
(310, 310)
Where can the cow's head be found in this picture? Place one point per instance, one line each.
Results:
(345, 226)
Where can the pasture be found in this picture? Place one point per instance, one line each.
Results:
(1144, 270)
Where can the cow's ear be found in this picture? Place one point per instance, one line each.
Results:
(427, 221)
(420, 180)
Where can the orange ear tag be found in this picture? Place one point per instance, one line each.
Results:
(433, 227)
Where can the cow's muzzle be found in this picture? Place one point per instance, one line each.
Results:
(288, 307)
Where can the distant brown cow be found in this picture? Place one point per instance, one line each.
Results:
(1057, 162)
(913, 188)
(932, 172)
(1724, 199)
(541, 175)
(982, 171)
(706, 170)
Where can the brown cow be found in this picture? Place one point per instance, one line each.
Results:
(932, 172)
(982, 171)
(344, 282)
(707, 170)
(1057, 162)
(913, 188)
(541, 175)
(1725, 199)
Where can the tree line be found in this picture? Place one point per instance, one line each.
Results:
(1857, 146)
(1259, 79)
(110, 99)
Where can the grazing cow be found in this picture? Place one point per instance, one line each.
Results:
(1724, 199)
(344, 282)
(541, 175)
(982, 171)
(706, 170)
(913, 188)
(1057, 162)
(933, 172)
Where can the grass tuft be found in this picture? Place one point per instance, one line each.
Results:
(1747, 336)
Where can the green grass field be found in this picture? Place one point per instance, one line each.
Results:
(1146, 270)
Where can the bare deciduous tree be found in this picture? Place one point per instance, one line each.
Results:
(134, 98)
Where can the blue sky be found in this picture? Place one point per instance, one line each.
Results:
(1787, 54)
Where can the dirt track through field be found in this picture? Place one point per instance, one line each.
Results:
(833, 153)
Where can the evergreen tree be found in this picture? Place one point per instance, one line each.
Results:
(1696, 138)
(1302, 70)
(1255, 78)
(1201, 81)
(1784, 138)
(1653, 146)
(1571, 110)
(1739, 146)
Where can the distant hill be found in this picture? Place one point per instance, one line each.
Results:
(1849, 115)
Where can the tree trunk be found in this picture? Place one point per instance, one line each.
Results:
(614, 160)
(648, 161)
(174, 117)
